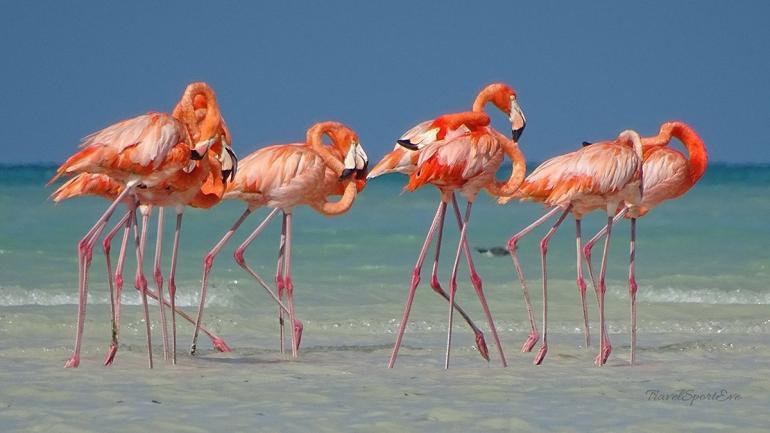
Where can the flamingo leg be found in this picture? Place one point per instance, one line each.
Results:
(439, 216)
(238, 255)
(140, 282)
(172, 280)
(581, 281)
(279, 285)
(476, 279)
(158, 277)
(85, 251)
(544, 264)
(481, 344)
(208, 262)
(605, 347)
(632, 288)
(589, 247)
(124, 223)
(296, 335)
(512, 247)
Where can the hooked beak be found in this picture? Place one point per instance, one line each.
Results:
(518, 121)
(202, 147)
(362, 162)
(356, 162)
(229, 161)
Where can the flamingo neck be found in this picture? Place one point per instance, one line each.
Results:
(314, 140)
(508, 188)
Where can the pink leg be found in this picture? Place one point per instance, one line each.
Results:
(158, 277)
(544, 264)
(172, 279)
(481, 344)
(606, 348)
(512, 247)
(125, 223)
(85, 251)
(479, 292)
(587, 255)
(476, 279)
(279, 286)
(296, 334)
(140, 282)
(208, 262)
(632, 287)
(581, 281)
(238, 255)
(440, 212)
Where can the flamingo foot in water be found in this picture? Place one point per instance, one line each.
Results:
(481, 345)
(601, 359)
(220, 345)
(73, 362)
(530, 343)
(541, 354)
(111, 352)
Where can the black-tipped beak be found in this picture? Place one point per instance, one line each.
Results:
(195, 156)
(361, 174)
(408, 144)
(587, 143)
(346, 173)
(516, 133)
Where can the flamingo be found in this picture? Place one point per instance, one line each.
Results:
(141, 153)
(282, 177)
(668, 174)
(103, 186)
(457, 152)
(594, 177)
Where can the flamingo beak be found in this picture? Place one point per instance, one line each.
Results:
(350, 162)
(229, 161)
(362, 162)
(202, 147)
(518, 121)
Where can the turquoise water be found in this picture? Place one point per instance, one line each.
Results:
(704, 321)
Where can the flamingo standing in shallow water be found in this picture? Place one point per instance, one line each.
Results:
(457, 152)
(283, 177)
(595, 177)
(668, 174)
(141, 153)
(103, 186)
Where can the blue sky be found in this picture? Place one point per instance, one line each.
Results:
(583, 71)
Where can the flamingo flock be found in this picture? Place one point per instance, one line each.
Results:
(186, 158)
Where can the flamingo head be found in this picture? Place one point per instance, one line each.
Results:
(504, 97)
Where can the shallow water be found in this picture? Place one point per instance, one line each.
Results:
(704, 322)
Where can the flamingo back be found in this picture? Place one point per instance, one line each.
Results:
(136, 146)
(453, 162)
(280, 176)
(599, 170)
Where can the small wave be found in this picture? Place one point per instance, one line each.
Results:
(14, 297)
(678, 295)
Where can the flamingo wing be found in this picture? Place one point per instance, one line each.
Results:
(453, 161)
(598, 169)
(428, 132)
(150, 136)
(665, 176)
(138, 145)
(280, 175)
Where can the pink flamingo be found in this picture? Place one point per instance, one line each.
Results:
(283, 177)
(668, 174)
(103, 186)
(594, 177)
(457, 152)
(141, 153)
